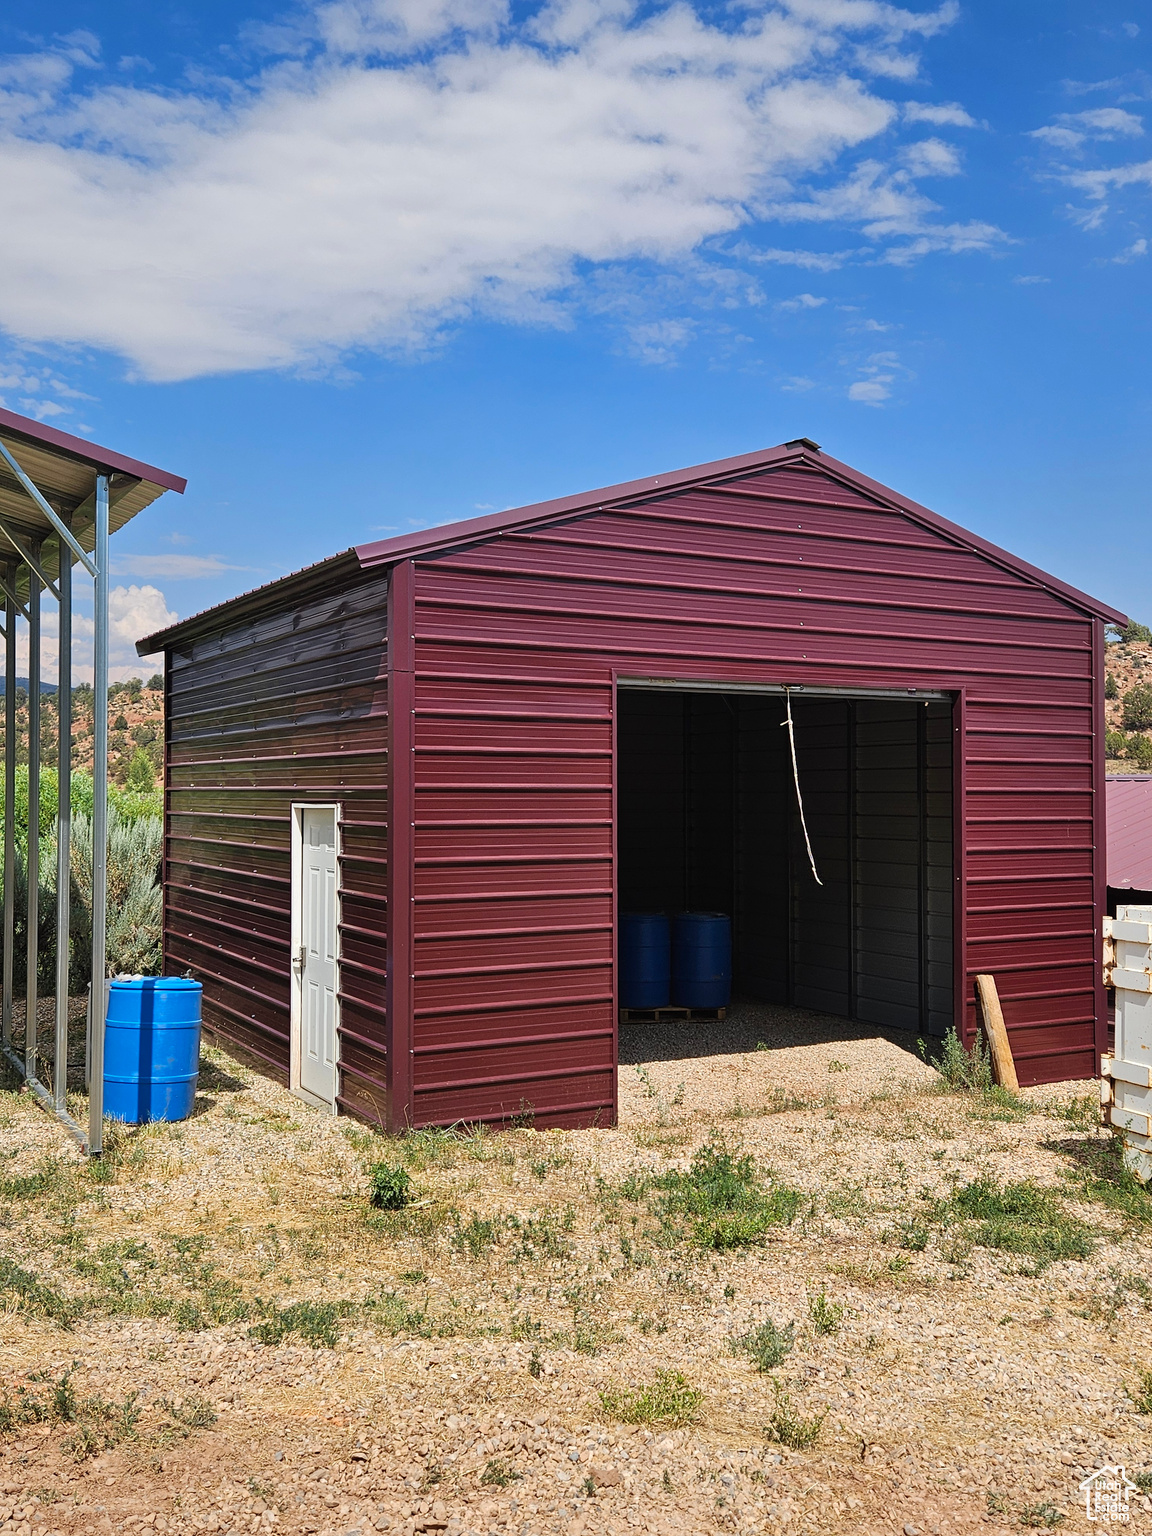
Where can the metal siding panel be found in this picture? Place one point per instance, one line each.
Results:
(764, 801)
(821, 941)
(287, 705)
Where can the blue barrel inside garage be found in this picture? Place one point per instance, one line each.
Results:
(151, 1048)
(702, 960)
(645, 959)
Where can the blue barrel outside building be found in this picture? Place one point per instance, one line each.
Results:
(151, 1048)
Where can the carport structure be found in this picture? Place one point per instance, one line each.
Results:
(61, 498)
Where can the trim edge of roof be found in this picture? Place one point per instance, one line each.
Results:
(87, 452)
(245, 604)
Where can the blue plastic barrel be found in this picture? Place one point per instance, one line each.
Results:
(702, 960)
(151, 1048)
(645, 959)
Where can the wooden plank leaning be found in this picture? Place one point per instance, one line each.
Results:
(1003, 1067)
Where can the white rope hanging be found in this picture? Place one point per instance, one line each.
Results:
(796, 780)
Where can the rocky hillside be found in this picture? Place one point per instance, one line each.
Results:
(135, 731)
(1128, 670)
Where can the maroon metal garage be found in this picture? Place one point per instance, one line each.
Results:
(409, 787)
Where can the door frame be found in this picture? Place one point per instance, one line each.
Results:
(296, 975)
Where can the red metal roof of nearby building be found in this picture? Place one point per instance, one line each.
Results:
(1129, 804)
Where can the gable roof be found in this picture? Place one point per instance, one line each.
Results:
(799, 453)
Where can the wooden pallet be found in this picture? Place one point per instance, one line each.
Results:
(670, 1015)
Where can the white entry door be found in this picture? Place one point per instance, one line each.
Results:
(316, 957)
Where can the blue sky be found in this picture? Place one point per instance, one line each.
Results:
(362, 266)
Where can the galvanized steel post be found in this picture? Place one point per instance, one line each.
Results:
(9, 807)
(99, 822)
(32, 855)
(63, 829)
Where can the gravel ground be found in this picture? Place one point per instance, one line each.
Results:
(958, 1387)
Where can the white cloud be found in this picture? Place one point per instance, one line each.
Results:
(1133, 252)
(931, 157)
(660, 341)
(132, 613)
(880, 372)
(1024, 281)
(815, 261)
(39, 390)
(888, 206)
(871, 391)
(176, 567)
(399, 165)
(1072, 129)
(1097, 183)
(1058, 138)
(1109, 122)
(802, 301)
(946, 114)
(43, 410)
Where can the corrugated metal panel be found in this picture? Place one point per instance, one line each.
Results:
(286, 706)
(764, 808)
(903, 865)
(820, 938)
(791, 577)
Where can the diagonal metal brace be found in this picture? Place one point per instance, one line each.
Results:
(8, 589)
(51, 514)
(28, 557)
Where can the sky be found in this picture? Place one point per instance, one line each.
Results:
(358, 267)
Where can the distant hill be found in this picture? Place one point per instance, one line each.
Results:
(22, 682)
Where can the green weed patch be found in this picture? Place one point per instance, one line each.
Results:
(721, 1201)
(789, 1427)
(316, 1322)
(390, 1188)
(1021, 1218)
(1098, 1176)
(33, 1296)
(766, 1346)
(670, 1399)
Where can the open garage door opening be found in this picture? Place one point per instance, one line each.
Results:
(708, 820)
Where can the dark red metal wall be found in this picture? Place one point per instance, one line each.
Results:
(499, 661)
(286, 707)
(788, 576)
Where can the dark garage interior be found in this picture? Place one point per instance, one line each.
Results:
(708, 820)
